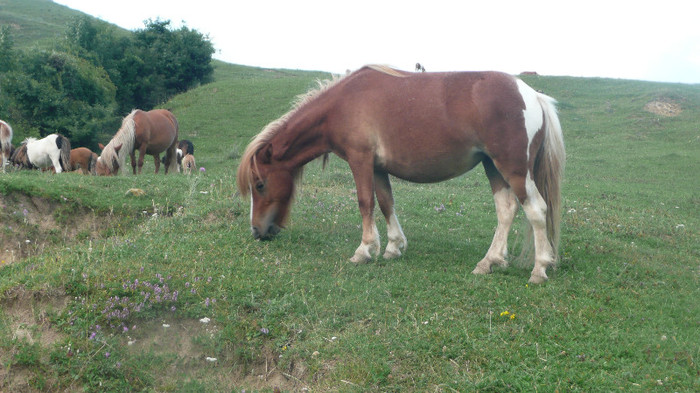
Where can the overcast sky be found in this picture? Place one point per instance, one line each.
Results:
(655, 41)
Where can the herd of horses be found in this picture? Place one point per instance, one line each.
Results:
(417, 126)
(149, 133)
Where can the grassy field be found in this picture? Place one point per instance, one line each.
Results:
(104, 291)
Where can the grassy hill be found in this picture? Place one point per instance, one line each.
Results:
(104, 291)
(36, 22)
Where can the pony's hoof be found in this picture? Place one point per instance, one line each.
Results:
(360, 259)
(483, 267)
(391, 254)
(393, 251)
(537, 279)
(480, 270)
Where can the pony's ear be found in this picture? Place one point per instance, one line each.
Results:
(101, 146)
(118, 147)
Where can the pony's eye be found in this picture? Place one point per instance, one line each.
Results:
(259, 186)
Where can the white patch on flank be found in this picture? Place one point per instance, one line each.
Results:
(532, 112)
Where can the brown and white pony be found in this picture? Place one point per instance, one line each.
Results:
(188, 164)
(83, 159)
(51, 151)
(5, 143)
(421, 127)
(151, 132)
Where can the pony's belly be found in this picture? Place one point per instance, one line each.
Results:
(434, 168)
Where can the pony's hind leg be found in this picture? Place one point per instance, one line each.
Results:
(397, 240)
(506, 208)
(156, 162)
(535, 209)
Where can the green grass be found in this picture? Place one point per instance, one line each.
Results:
(620, 312)
(36, 23)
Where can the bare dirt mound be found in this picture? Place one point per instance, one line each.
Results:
(29, 223)
(26, 314)
(666, 108)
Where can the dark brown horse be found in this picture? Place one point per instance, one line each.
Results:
(421, 127)
(5, 143)
(83, 159)
(151, 132)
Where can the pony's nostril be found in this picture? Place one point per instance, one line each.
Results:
(256, 233)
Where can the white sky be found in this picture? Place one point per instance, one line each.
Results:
(656, 41)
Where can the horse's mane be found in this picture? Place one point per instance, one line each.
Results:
(247, 168)
(19, 156)
(125, 136)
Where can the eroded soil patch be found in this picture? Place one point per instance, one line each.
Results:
(666, 108)
(29, 223)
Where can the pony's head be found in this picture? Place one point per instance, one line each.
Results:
(107, 164)
(270, 184)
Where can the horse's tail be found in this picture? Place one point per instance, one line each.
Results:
(92, 164)
(549, 169)
(63, 145)
(5, 143)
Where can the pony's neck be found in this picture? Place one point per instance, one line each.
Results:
(303, 140)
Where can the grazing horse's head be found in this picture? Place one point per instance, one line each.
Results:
(270, 184)
(107, 164)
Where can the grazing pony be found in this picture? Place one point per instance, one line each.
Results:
(421, 127)
(83, 159)
(52, 150)
(151, 132)
(188, 163)
(5, 143)
(184, 147)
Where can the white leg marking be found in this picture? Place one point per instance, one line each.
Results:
(536, 212)
(397, 240)
(367, 249)
(506, 207)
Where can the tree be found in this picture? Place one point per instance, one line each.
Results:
(57, 92)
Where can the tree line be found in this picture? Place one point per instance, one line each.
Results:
(95, 75)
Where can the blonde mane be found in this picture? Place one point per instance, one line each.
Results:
(126, 137)
(247, 168)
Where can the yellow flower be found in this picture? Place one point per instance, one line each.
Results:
(512, 316)
(504, 313)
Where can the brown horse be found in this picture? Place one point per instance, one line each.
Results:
(83, 159)
(421, 127)
(151, 132)
(5, 143)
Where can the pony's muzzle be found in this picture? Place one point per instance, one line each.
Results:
(267, 234)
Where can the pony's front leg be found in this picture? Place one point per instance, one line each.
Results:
(133, 160)
(397, 240)
(369, 247)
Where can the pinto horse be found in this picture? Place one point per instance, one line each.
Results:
(83, 159)
(52, 150)
(5, 143)
(151, 133)
(421, 127)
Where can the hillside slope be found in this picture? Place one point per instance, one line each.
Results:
(36, 22)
